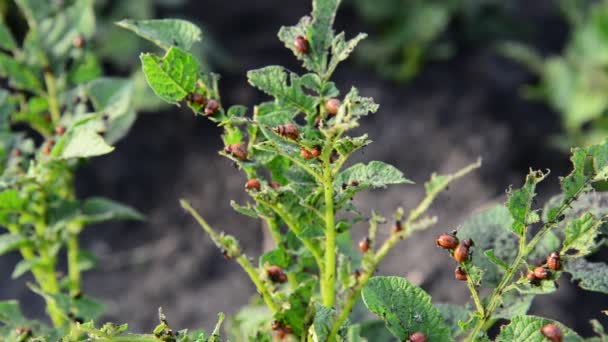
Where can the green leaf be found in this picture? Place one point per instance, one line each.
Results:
(249, 323)
(278, 257)
(376, 174)
(322, 324)
(11, 201)
(405, 308)
(347, 145)
(491, 230)
(527, 328)
(99, 209)
(581, 236)
(520, 202)
(51, 40)
(495, 260)
(272, 80)
(341, 49)
(317, 30)
(11, 242)
(7, 42)
(174, 76)
(452, 314)
(376, 331)
(86, 69)
(81, 141)
(294, 313)
(24, 266)
(20, 76)
(114, 98)
(592, 276)
(577, 181)
(34, 10)
(166, 33)
(359, 106)
(10, 312)
(514, 304)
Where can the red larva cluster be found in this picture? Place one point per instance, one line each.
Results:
(276, 274)
(543, 272)
(48, 146)
(238, 151)
(552, 332)
(281, 330)
(417, 337)
(460, 251)
(289, 131)
(212, 107)
(310, 154)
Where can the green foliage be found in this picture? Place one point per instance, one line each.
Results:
(405, 308)
(293, 151)
(407, 34)
(574, 82)
(528, 328)
(52, 74)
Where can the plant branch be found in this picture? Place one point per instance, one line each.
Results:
(241, 259)
(523, 251)
(328, 286)
(52, 96)
(355, 292)
(314, 250)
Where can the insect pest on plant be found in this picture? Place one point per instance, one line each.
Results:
(332, 106)
(417, 337)
(301, 45)
(364, 245)
(552, 332)
(253, 184)
(554, 261)
(289, 131)
(461, 252)
(447, 241)
(238, 151)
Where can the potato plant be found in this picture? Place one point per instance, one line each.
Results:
(56, 111)
(411, 33)
(573, 83)
(294, 150)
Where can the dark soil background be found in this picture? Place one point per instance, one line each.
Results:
(453, 112)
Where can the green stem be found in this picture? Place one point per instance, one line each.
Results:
(523, 252)
(292, 225)
(474, 293)
(52, 96)
(241, 259)
(386, 247)
(328, 286)
(73, 267)
(46, 279)
(253, 275)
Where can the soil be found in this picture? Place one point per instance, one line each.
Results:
(453, 112)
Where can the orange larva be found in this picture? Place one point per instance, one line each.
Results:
(289, 131)
(253, 184)
(236, 150)
(554, 261)
(552, 332)
(332, 106)
(276, 274)
(447, 241)
(301, 45)
(460, 274)
(364, 245)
